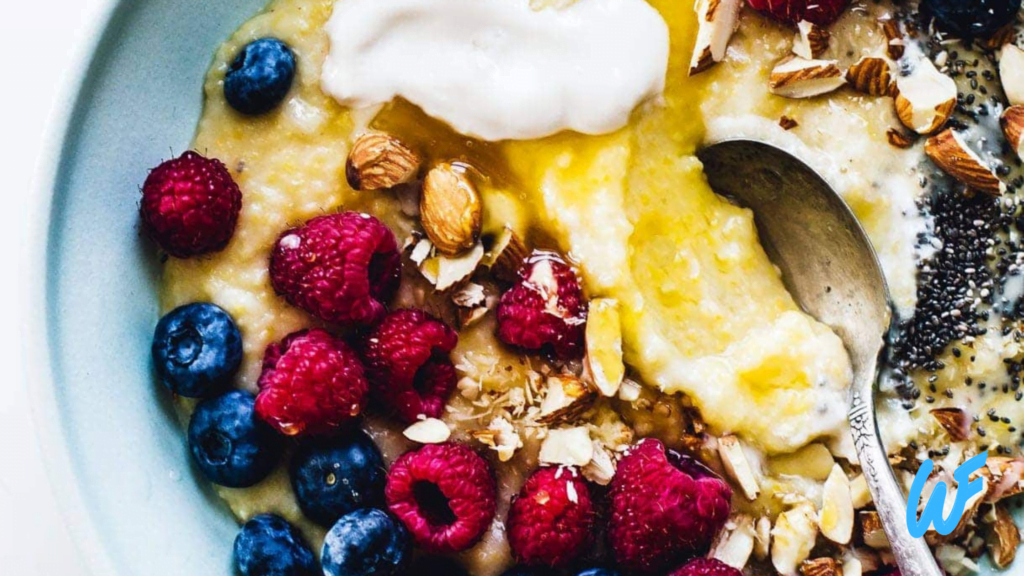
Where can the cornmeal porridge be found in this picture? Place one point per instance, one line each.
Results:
(485, 157)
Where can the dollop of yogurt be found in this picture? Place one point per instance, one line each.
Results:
(498, 69)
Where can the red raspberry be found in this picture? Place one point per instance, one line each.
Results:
(190, 205)
(665, 508)
(408, 365)
(444, 494)
(551, 522)
(821, 12)
(544, 309)
(339, 267)
(706, 567)
(312, 384)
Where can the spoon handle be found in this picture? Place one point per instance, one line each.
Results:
(912, 554)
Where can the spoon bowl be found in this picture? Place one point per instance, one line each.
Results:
(830, 268)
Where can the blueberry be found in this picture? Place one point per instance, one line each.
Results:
(229, 443)
(196, 349)
(332, 478)
(598, 572)
(367, 542)
(270, 546)
(260, 76)
(971, 18)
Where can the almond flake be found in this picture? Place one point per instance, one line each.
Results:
(447, 271)
(836, 520)
(925, 99)
(506, 256)
(428, 431)
(1004, 538)
(734, 460)
(470, 295)
(735, 543)
(567, 447)
(717, 20)
(798, 77)
(951, 154)
(811, 40)
(954, 421)
(1011, 73)
(601, 468)
(793, 537)
(566, 399)
(894, 45)
(872, 76)
(872, 532)
(859, 492)
(762, 537)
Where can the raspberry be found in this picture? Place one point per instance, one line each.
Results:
(312, 384)
(706, 567)
(821, 12)
(444, 494)
(408, 365)
(544, 310)
(551, 522)
(190, 205)
(665, 508)
(339, 267)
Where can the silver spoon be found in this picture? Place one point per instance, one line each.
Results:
(830, 268)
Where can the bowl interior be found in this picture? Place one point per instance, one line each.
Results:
(138, 105)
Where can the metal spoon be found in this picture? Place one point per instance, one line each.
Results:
(830, 268)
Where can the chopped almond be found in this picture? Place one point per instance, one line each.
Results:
(811, 40)
(717, 20)
(1012, 122)
(1011, 73)
(1003, 538)
(798, 77)
(871, 76)
(836, 520)
(950, 153)
(925, 98)
(734, 460)
(954, 421)
(735, 542)
(566, 398)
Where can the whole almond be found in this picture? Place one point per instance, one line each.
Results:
(450, 208)
(379, 161)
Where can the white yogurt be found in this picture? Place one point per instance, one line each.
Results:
(497, 69)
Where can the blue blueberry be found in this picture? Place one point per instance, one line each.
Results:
(971, 18)
(270, 546)
(229, 443)
(196, 349)
(332, 478)
(260, 76)
(367, 542)
(598, 572)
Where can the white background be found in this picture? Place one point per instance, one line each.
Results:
(37, 42)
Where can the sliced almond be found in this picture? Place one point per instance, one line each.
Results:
(1012, 122)
(762, 537)
(1011, 73)
(566, 398)
(506, 255)
(894, 45)
(735, 543)
(811, 40)
(567, 447)
(450, 208)
(821, 567)
(872, 76)
(798, 77)
(925, 99)
(734, 460)
(836, 519)
(446, 271)
(601, 468)
(603, 337)
(717, 20)
(954, 421)
(859, 492)
(950, 153)
(872, 532)
(793, 537)
(378, 161)
(428, 431)
(501, 437)
(899, 139)
(1005, 477)
(1003, 538)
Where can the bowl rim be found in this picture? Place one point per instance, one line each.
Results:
(50, 435)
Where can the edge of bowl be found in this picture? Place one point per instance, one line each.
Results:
(35, 265)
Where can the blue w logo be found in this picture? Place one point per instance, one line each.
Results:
(932, 514)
